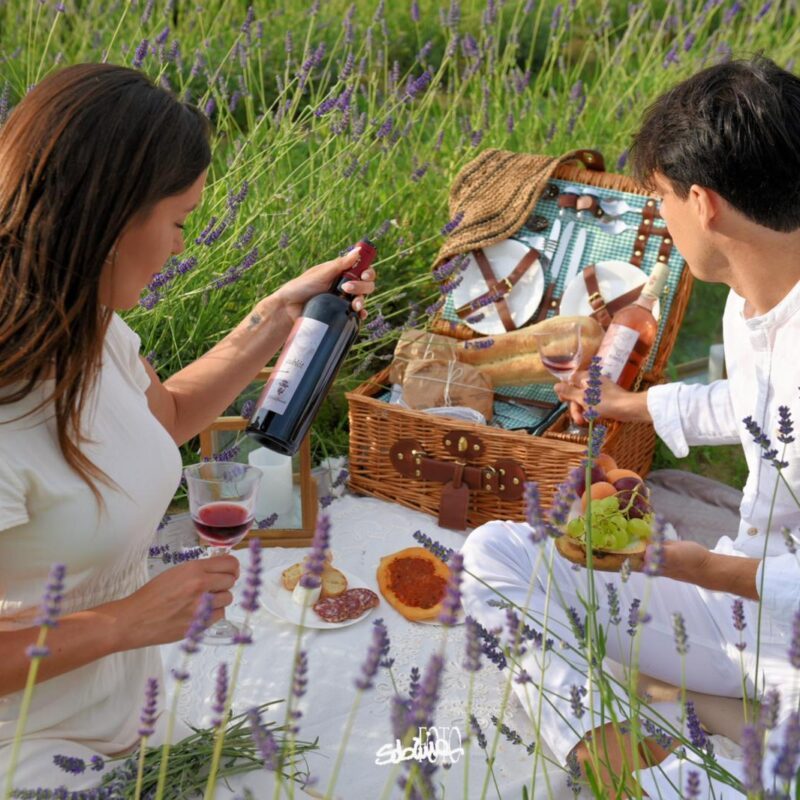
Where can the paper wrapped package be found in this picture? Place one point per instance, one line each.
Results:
(417, 345)
(437, 383)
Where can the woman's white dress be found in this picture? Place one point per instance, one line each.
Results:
(49, 515)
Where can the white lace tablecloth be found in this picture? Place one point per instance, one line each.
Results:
(363, 530)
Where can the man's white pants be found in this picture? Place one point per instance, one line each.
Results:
(506, 564)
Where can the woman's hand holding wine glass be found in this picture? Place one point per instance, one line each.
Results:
(162, 610)
(222, 501)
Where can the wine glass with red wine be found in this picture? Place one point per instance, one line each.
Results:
(561, 350)
(222, 501)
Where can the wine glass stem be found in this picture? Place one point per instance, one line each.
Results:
(214, 551)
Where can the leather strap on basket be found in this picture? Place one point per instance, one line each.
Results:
(591, 159)
(546, 303)
(646, 230)
(580, 202)
(498, 289)
(505, 478)
(601, 310)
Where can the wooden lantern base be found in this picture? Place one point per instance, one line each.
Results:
(274, 537)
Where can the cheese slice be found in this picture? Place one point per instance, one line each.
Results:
(303, 596)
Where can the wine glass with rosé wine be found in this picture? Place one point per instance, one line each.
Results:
(561, 350)
(222, 501)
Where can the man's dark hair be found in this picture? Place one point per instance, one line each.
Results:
(733, 128)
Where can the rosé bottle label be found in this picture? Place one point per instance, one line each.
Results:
(616, 349)
(292, 364)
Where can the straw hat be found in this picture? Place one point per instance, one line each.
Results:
(496, 192)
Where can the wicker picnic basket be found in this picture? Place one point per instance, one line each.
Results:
(415, 458)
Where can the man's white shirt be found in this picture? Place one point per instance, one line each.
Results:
(762, 357)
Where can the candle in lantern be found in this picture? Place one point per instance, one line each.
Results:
(276, 492)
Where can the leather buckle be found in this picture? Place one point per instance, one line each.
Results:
(510, 479)
(507, 283)
(595, 297)
(489, 478)
(463, 445)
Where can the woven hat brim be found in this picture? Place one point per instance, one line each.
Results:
(494, 194)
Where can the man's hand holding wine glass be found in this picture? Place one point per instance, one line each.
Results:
(615, 402)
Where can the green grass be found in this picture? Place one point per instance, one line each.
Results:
(320, 181)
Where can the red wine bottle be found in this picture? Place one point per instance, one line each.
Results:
(308, 363)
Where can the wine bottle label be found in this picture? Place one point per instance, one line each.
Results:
(616, 349)
(292, 364)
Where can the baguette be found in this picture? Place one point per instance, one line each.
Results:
(512, 359)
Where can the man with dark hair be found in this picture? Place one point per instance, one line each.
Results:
(722, 150)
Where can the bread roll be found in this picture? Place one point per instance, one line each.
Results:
(333, 581)
(512, 359)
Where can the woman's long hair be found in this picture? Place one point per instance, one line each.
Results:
(85, 151)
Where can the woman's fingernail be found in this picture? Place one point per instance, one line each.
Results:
(348, 287)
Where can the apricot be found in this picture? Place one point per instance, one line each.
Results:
(598, 492)
(615, 474)
(605, 462)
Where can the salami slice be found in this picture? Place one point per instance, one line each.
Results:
(348, 605)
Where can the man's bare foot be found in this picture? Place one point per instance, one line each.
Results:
(607, 753)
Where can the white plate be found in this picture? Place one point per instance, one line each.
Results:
(523, 299)
(614, 278)
(278, 601)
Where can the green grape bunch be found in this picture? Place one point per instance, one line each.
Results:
(613, 526)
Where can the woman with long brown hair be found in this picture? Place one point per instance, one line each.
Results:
(99, 169)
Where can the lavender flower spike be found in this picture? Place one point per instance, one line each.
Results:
(425, 701)
(786, 763)
(452, 598)
(202, 617)
(696, 734)
(591, 397)
(472, 656)
(220, 696)
(439, 550)
(654, 555)
(566, 493)
(147, 720)
(692, 784)
(785, 425)
(576, 695)
(370, 666)
(253, 580)
(679, 630)
(53, 595)
(71, 764)
(597, 441)
(752, 758)
(540, 528)
(264, 740)
(453, 224)
(315, 561)
(794, 643)
(770, 707)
